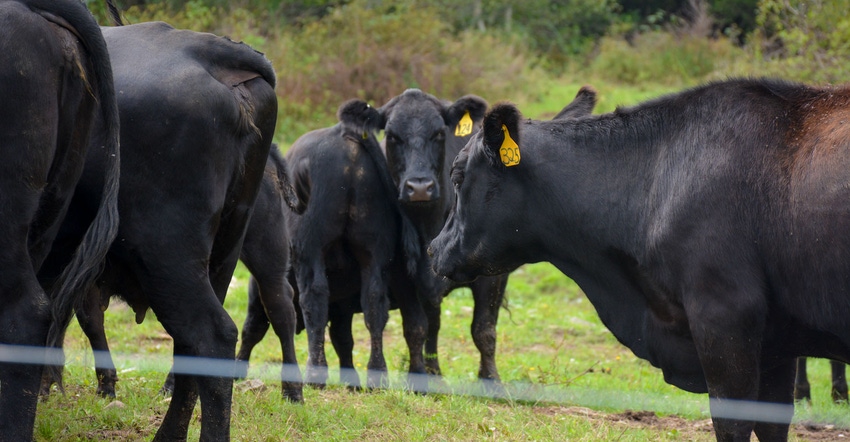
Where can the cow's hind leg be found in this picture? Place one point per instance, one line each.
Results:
(341, 315)
(839, 381)
(276, 298)
(90, 317)
(204, 346)
(375, 302)
(23, 326)
(256, 323)
(314, 300)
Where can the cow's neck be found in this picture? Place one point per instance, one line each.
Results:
(588, 180)
(427, 218)
(600, 194)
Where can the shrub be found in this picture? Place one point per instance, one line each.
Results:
(376, 53)
(804, 40)
(661, 57)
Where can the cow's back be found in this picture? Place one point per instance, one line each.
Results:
(198, 113)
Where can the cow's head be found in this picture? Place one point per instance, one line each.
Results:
(418, 128)
(484, 234)
(476, 239)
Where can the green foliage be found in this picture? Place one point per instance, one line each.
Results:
(735, 18)
(804, 39)
(661, 58)
(562, 29)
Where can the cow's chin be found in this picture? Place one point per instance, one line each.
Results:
(459, 276)
(418, 204)
(454, 269)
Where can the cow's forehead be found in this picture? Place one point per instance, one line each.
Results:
(414, 112)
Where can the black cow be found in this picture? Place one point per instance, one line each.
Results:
(198, 114)
(803, 390)
(346, 238)
(423, 136)
(56, 79)
(706, 227)
(265, 252)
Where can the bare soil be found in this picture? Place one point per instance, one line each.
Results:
(688, 429)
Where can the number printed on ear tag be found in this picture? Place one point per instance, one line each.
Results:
(464, 126)
(509, 152)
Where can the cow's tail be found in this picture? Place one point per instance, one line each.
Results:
(87, 261)
(409, 235)
(284, 183)
(114, 13)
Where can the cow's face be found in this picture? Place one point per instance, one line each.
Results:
(478, 237)
(417, 127)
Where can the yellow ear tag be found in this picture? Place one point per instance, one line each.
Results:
(365, 135)
(509, 150)
(464, 126)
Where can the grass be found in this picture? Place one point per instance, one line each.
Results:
(550, 337)
(568, 377)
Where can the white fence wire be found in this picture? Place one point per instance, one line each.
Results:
(514, 390)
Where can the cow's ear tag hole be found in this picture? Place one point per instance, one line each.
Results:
(509, 152)
(464, 126)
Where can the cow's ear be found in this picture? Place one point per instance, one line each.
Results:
(501, 133)
(582, 105)
(464, 113)
(359, 115)
(387, 108)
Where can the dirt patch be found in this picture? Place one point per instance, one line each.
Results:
(818, 432)
(688, 429)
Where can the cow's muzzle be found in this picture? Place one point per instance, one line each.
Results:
(420, 190)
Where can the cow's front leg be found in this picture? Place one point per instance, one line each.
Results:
(488, 293)
(415, 325)
(776, 391)
(727, 330)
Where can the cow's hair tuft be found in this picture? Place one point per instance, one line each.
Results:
(476, 106)
(284, 184)
(582, 105)
(359, 116)
(501, 114)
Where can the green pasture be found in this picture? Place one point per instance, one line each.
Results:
(550, 342)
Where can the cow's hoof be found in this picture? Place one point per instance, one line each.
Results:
(293, 392)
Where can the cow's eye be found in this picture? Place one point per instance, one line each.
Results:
(457, 178)
(393, 139)
(439, 136)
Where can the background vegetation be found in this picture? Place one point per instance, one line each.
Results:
(536, 53)
(328, 51)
